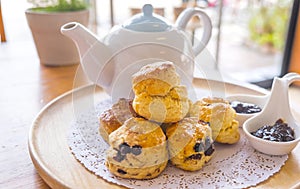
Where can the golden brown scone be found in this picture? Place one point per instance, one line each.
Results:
(158, 94)
(190, 144)
(156, 79)
(114, 117)
(221, 117)
(138, 150)
(172, 107)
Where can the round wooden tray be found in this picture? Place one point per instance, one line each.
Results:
(55, 163)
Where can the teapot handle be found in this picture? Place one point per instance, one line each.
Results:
(184, 18)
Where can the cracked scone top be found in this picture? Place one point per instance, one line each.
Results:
(158, 94)
(138, 149)
(158, 73)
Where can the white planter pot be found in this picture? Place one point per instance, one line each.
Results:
(55, 49)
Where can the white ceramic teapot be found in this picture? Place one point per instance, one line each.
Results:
(143, 39)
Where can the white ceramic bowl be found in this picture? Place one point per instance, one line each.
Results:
(276, 107)
(257, 100)
(266, 146)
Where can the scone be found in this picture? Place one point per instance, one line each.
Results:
(158, 94)
(221, 116)
(114, 117)
(138, 150)
(164, 109)
(155, 79)
(190, 144)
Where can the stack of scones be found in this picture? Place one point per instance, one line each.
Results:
(162, 124)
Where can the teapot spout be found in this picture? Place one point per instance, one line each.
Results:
(83, 38)
(94, 54)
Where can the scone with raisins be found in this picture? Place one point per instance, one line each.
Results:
(114, 117)
(138, 150)
(221, 116)
(190, 144)
(158, 94)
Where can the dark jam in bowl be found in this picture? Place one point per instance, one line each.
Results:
(244, 108)
(279, 132)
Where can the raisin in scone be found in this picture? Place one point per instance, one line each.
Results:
(221, 116)
(158, 94)
(138, 150)
(190, 144)
(114, 117)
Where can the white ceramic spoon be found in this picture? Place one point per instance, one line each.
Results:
(257, 100)
(276, 107)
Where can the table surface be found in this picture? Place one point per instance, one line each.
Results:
(25, 90)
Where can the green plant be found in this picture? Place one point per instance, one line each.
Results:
(268, 24)
(58, 5)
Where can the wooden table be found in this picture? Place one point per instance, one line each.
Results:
(25, 89)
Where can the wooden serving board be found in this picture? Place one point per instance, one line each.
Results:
(55, 163)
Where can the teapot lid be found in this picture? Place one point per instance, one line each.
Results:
(147, 21)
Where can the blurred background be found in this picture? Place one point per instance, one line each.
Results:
(248, 35)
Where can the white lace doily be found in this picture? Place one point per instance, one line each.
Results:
(234, 166)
